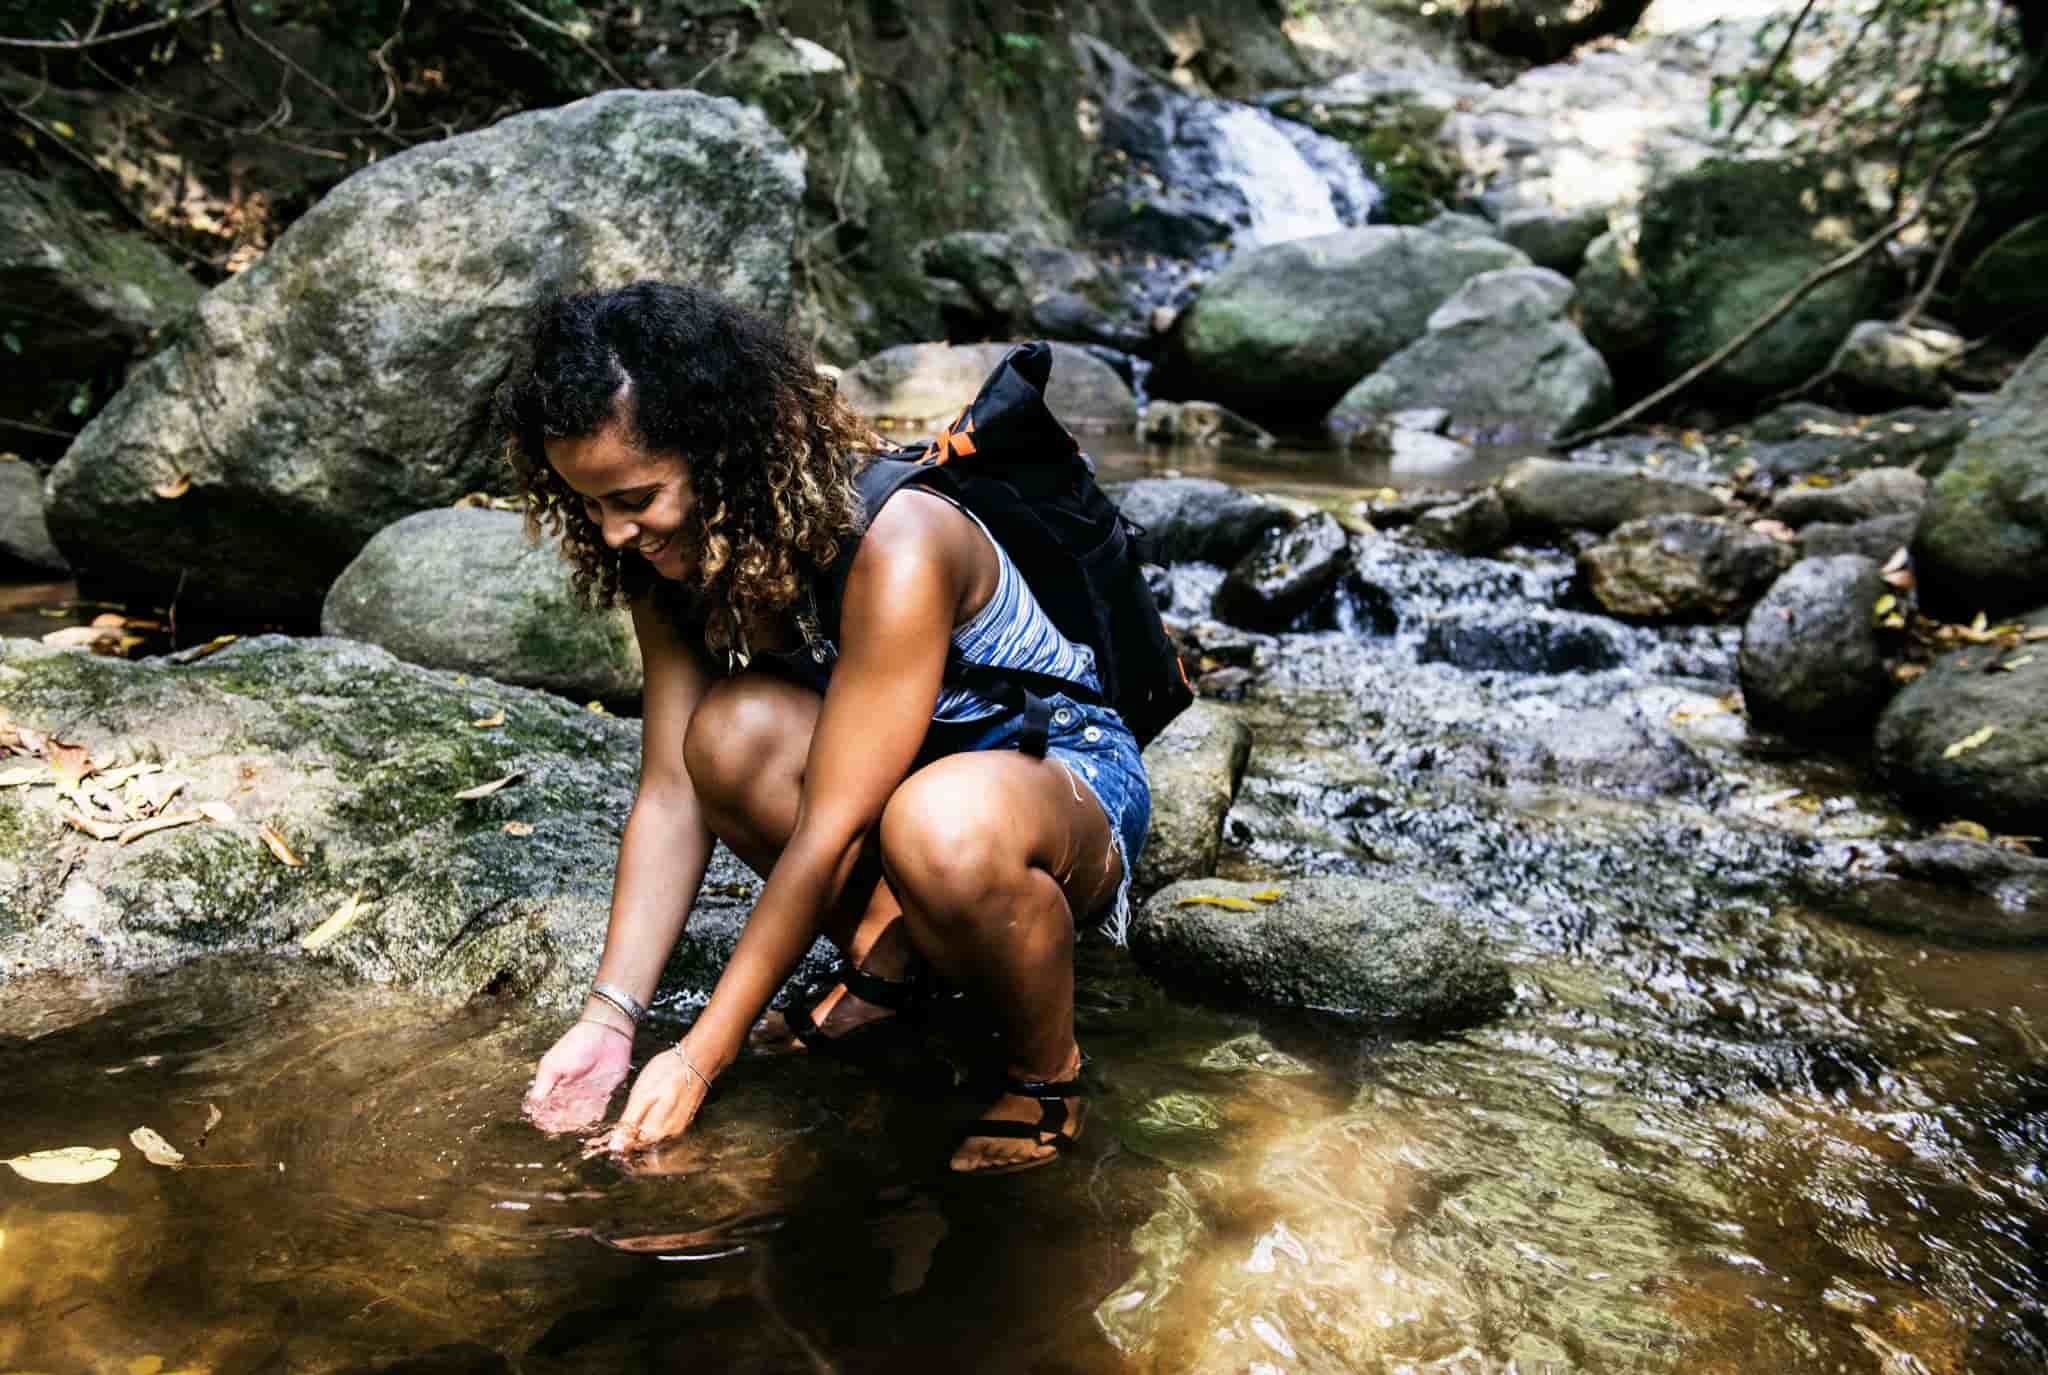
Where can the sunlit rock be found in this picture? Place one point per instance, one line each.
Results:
(1897, 362)
(1546, 497)
(1682, 568)
(921, 388)
(1194, 766)
(1285, 575)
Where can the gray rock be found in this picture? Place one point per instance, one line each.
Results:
(1198, 519)
(1801, 437)
(1876, 539)
(1378, 951)
(1499, 358)
(1007, 286)
(24, 537)
(345, 380)
(80, 301)
(1555, 239)
(1682, 568)
(1617, 310)
(1811, 664)
(922, 387)
(354, 757)
(1546, 497)
(1866, 496)
(1194, 766)
(1955, 890)
(1199, 422)
(1904, 363)
(1421, 453)
(1476, 525)
(1526, 640)
(1933, 746)
(462, 589)
(1449, 224)
(1285, 575)
(1983, 541)
(1293, 324)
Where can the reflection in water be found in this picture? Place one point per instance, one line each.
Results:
(1606, 1180)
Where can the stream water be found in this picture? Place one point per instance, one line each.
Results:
(1717, 1130)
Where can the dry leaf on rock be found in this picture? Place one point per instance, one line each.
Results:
(1214, 900)
(155, 1149)
(198, 652)
(168, 821)
(275, 843)
(1269, 895)
(219, 813)
(1897, 561)
(483, 790)
(114, 778)
(24, 775)
(327, 932)
(2015, 665)
(151, 793)
(1969, 742)
(491, 722)
(1965, 830)
(82, 637)
(519, 828)
(175, 488)
(67, 1164)
(70, 765)
(213, 1116)
(98, 830)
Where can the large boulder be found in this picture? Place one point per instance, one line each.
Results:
(1682, 568)
(994, 285)
(1547, 497)
(78, 301)
(1500, 357)
(1189, 519)
(345, 380)
(1285, 575)
(354, 760)
(464, 589)
(1811, 664)
(1290, 326)
(24, 535)
(1983, 539)
(1616, 308)
(921, 388)
(1961, 741)
(1194, 766)
(1378, 951)
(1719, 246)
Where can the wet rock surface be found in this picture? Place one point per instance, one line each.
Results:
(464, 590)
(1871, 495)
(1198, 520)
(1811, 663)
(1372, 950)
(1682, 568)
(1286, 575)
(1983, 542)
(1193, 766)
(1546, 497)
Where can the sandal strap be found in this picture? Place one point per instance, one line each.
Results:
(898, 995)
(1051, 1090)
(1052, 1116)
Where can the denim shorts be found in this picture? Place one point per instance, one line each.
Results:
(1098, 752)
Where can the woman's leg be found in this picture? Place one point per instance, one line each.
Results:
(746, 748)
(992, 853)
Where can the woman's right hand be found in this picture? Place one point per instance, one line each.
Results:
(577, 1076)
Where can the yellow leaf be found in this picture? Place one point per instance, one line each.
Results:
(67, 1164)
(491, 722)
(61, 129)
(328, 931)
(1269, 895)
(212, 646)
(596, 709)
(1969, 742)
(2015, 665)
(482, 790)
(2039, 632)
(1893, 622)
(275, 843)
(174, 488)
(156, 1151)
(146, 1365)
(1977, 625)
(165, 822)
(519, 828)
(1965, 830)
(1884, 604)
(1212, 900)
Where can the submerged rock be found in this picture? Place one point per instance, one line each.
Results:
(1682, 568)
(463, 589)
(1194, 766)
(1285, 575)
(1378, 951)
(355, 760)
(1983, 542)
(345, 380)
(1811, 664)
(1547, 497)
(1961, 741)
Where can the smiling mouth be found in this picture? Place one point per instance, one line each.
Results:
(651, 552)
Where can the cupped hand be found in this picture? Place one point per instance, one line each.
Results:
(664, 1101)
(576, 1078)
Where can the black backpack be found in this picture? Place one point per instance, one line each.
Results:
(1008, 460)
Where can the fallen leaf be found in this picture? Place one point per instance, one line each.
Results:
(109, 620)
(1977, 624)
(70, 764)
(596, 709)
(519, 828)
(155, 1149)
(145, 1365)
(1893, 622)
(213, 1116)
(1884, 604)
(1776, 529)
(1901, 427)
(2039, 632)
(1901, 578)
(98, 830)
(1269, 895)
(173, 489)
(114, 778)
(152, 793)
(67, 1164)
(328, 931)
(1965, 830)
(2015, 665)
(1896, 561)
(81, 637)
(270, 837)
(212, 646)
(219, 813)
(1969, 742)
(491, 722)
(1213, 900)
(168, 821)
(482, 790)
(1906, 673)
(22, 775)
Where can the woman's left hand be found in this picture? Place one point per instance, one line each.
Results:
(663, 1103)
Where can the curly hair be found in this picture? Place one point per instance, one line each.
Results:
(769, 447)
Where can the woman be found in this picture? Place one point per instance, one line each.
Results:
(697, 468)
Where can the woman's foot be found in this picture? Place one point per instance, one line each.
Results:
(857, 1003)
(1029, 1125)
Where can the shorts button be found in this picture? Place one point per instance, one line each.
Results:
(1064, 716)
(1091, 735)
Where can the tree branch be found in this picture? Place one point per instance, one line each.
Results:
(1948, 247)
(563, 32)
(1756, 87)
(1835, 267)
(94, 40)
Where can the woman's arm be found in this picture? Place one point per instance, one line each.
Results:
(662, 858)
(902, 597)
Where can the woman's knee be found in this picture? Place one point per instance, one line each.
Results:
(745, 731)
(947, 849)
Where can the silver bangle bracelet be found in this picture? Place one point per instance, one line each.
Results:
(620, 999)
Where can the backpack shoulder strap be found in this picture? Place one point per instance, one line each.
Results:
(881, 479)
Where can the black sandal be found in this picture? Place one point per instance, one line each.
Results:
(908, 998)
(1053, 1116)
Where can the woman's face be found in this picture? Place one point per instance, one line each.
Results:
(636, 499)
